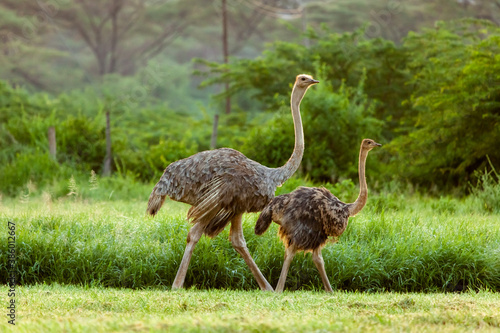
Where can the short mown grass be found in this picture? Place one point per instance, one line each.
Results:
(431, 245)
(56, 308)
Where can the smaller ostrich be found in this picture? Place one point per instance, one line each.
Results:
(308, 215)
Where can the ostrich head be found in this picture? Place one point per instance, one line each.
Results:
(369, 144)
(304, 81)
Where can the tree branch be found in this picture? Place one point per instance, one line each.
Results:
(248, 29)
(25, 75)
(117, 6)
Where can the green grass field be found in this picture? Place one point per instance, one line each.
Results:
(76, 309)
(102, 266)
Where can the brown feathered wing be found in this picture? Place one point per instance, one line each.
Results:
(219, 184)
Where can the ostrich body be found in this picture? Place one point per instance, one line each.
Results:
(222, 184)
(309, 215)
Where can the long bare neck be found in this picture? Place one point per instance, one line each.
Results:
(287, 170)
(360, 202)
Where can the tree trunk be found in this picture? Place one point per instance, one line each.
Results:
(52, 142)
(304, 27)
(225, 51)
(213, 140)
(106, 171)
(114, 35)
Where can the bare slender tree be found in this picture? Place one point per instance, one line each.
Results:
(107, 28)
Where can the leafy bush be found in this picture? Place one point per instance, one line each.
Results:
(30, 165)
(140, 150)
(455, 117)
(81, 142)
(149, 165)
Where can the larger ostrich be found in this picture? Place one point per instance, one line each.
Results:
(308, 215)
(222, 184)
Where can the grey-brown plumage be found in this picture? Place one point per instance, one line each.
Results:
(219, 184)
(309, 216)
(222, 184)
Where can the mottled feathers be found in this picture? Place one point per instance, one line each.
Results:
(219, 184)
(307, 217)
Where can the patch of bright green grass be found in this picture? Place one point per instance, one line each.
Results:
(56, 308)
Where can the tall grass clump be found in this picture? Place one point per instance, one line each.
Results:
(86, 187)
(487, 189)
(113, 243)
(418, 252)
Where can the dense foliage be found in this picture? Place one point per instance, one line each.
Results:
(434, 99)
(455, 121)
(433, 102)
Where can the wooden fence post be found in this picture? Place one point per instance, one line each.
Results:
(106, 171)
(213, 140)
(52, 142)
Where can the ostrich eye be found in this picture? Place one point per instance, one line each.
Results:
(303, 79)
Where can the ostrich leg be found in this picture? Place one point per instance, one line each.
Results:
(192, 238)
(240, 245)
(289, 254)
(320, 265)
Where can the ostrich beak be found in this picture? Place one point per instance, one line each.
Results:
(314, 81)
(378, 145)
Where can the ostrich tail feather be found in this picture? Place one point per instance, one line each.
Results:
(264, 221)
(155, 202)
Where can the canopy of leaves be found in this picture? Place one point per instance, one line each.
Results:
(455, 122)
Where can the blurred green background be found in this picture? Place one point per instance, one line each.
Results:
(420, 77)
